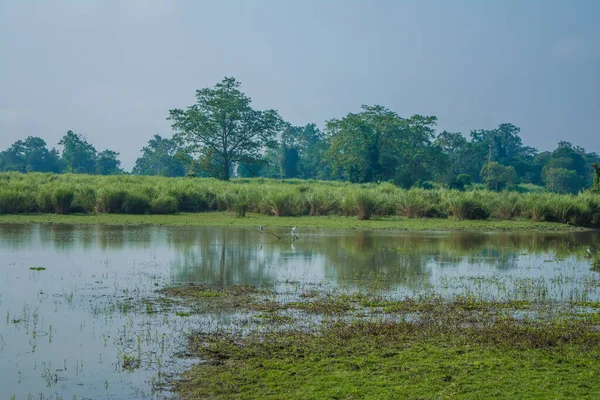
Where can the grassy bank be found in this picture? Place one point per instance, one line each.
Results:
(356, 346)
(320, 222)
(133, 195)
(390, 361)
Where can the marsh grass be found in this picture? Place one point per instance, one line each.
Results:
(414, 348)
(35, 193)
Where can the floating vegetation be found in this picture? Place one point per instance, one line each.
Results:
(158, 312)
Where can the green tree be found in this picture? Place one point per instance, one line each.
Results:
(223, 129)
(108, 163)
(563, 180)
(497, 176)
(30, 155)
(596, 187)
(377, 145)
(355, 143)
(162, 157)
(78, 156)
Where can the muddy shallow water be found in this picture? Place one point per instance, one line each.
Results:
(70, 321)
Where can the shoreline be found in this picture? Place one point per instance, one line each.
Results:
(220, 219)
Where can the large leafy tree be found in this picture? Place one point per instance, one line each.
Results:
(30, 155)
(163, 157)
(78, 155)
(222, 129)
(108, 163)
(498, 176)
(377, 144)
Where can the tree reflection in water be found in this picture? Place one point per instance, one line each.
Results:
(351, 258)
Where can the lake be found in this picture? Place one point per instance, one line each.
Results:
(73, 298)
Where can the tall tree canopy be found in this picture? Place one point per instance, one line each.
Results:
(78, 155)
(30, 155)
(163, 157)
(223, 129)
(376, 144)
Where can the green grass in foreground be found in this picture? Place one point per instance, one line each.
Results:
(426, 348)
(363, 368)
(324, 222)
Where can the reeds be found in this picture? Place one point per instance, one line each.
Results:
(46, 193)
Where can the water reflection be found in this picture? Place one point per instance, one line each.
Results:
(227, 255)
(91, 270)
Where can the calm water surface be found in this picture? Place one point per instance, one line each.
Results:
(65, 330)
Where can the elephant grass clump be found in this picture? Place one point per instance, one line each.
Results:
(124, 194)
(62, 198)
(164, 205)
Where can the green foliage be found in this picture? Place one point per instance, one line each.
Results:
(12, 201)
(111, 200)
(497, 176)
(414, 204)
(222, 128)
(466, 206)
(30, 155)
(365, 202)
(78, 155)
(34, 192)
(162, 157)
(62, 198)
(282, 202)
(136, 203)
(164, 205)
(596, 187)
(562, 180)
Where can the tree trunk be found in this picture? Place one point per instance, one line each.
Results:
(226, 172)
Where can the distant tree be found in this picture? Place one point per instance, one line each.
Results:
(78, 156)
(497, 176)
(596, 187)
(108, 163)
(222, 129)
(377, 144)
(563, 180)
(290, 162)
(162, 157)
(454, 148)
(356, 143)
(30, 155)
(308, 142)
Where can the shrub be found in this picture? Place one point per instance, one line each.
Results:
(136, 204)
(62, 198)
(413, 204)
(536, 208)
(365, 202)
(282, 202)
(164, 205)
(85, 199)
(319, 201)
(465, 206)
(507, 206)
(45, 203)
(12, 202)
(111, 201)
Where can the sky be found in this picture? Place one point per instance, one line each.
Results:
(111, 70)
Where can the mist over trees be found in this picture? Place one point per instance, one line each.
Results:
(221, 135)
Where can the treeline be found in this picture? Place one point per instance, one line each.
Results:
(222, 136)
(78, 156)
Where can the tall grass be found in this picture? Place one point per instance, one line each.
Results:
(47, 193)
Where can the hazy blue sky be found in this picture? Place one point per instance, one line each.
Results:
(112, 69)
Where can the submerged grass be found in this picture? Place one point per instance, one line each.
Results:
(320, 222)
(434, 348)
(63, 194)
